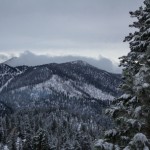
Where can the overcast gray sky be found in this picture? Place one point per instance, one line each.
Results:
(66, 27)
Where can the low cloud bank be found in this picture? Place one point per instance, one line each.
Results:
(3, 58)
(31, 59)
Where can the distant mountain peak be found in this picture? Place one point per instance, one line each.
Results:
(10, 61)
(81, 62)
(31, 59)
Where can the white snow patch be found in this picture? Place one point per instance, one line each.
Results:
(112, 132)
(132, 121)
(145, 85)
(102, 144)
(140, 137)
(6, 147)
(125, 96)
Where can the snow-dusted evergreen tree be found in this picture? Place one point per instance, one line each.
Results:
(19, 144)
(131, 111)
(40, 141)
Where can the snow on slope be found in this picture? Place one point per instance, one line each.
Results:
(6, 84)
(96, 93)
(62, 86)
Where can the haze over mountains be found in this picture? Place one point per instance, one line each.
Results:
(30, 59)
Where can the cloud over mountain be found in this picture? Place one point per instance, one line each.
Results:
(3, 58)
(32, 59)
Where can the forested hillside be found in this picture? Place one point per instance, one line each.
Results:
(54, 106)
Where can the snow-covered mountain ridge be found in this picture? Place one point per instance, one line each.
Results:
(75, 79)
(66, 100)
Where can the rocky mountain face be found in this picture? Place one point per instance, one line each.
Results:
(66, 101)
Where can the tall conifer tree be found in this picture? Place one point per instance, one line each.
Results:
(131, 111)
